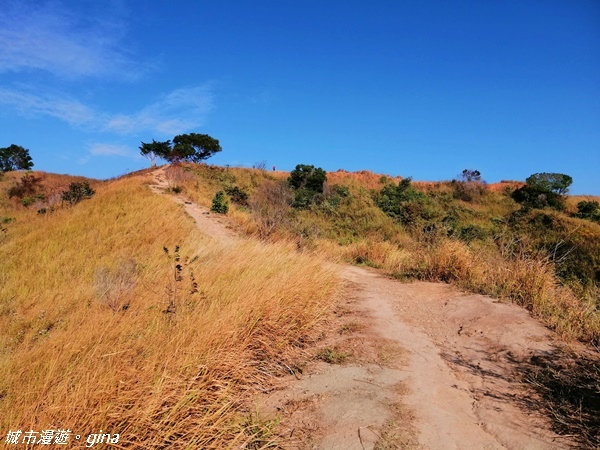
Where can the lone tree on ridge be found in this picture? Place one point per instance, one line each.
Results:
(470, 175)
(191, 147)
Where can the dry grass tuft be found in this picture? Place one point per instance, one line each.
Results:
(375, 254)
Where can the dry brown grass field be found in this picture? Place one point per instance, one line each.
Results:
(103, 329)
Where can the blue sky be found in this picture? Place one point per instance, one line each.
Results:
(413, 88)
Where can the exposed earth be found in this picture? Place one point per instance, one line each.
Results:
(410, 365)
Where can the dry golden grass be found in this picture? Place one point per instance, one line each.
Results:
(363, 178)
(505, 185)
(372, 253)
(101, 332)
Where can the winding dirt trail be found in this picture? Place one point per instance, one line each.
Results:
(426, 366)
(211, 224)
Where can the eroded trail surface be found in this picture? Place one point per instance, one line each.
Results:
(410, 365)
(432, 368)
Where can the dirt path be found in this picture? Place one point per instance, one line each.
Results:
(425, 366)
(432, 368)
(212, 224)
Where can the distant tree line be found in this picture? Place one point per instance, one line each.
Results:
(541, 190)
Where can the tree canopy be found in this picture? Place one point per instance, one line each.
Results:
(307, 177)
(194, 147)
(307, 182)
(469, 175)
(191, 147)
(15, 157)
(550, 182)
(544, 189)
(155, 150)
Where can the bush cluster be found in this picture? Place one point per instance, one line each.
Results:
(28, 186)
(220, 203)
(308, 183)
(589, 210)
(237, 195)
(544, 190)
(406, 204)
(77, 192)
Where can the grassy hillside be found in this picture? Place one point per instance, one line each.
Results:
(117, 314)
(470, 234)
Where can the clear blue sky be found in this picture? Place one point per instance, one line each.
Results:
(413, 88)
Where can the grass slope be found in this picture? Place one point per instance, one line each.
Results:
(102, 331)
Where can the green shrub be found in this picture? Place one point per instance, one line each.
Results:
(573, 246)
(544, 190)
(30, 200)
(308, 183)
(304, 198)
(588, 210)
(534, 197)
(237, 195)
(77, 192)
(471, 232)
(333, 197)
(406, 204)
(220, 203)
(307, 177)
(340, 191)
